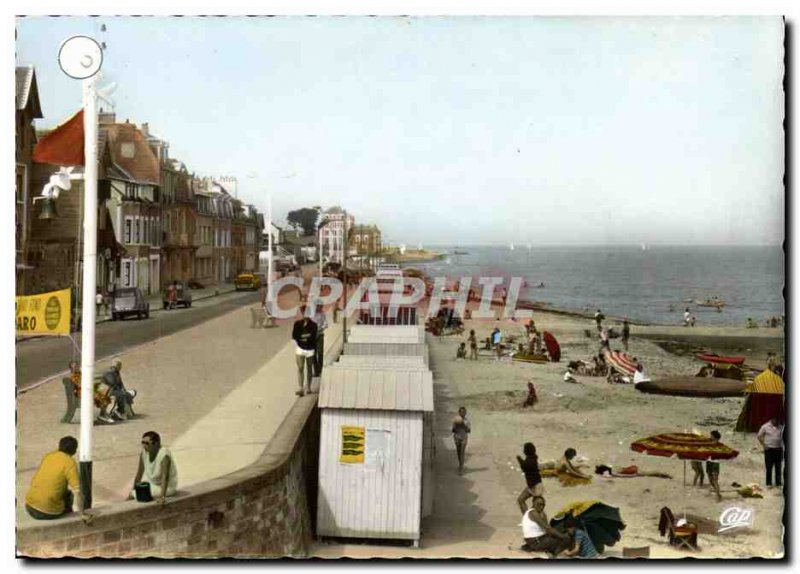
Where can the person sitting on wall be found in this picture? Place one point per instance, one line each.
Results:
(49, 496)
(156, 468)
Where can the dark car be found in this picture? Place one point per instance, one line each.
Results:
(129, 301)
(184, 295)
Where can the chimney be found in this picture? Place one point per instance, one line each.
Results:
(106, 118)
(145, 129)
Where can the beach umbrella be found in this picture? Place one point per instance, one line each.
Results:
(686, 446)
(602, 523)
(553, 348)
(622, 362)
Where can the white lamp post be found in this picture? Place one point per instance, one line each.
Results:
(81, 57)
(269, 248)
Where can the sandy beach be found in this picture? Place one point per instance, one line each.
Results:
(599, 420)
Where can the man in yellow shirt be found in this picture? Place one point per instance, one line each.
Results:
(49, 495)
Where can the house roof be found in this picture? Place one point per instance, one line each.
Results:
(138, 160)
(370, 388)
(27, 90)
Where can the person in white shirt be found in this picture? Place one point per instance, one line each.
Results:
(770, 435)
(539, 536)
(639, 376)
(687, 317)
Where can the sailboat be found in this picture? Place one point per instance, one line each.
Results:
(529, 247)
(511, 246)
(644, 247)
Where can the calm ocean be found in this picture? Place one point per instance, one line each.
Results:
(632, 282)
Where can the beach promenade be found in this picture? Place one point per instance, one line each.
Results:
(218, 410)
(216, 407)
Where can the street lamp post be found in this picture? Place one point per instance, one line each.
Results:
(344, 278)
(81, 57)
(269, 249)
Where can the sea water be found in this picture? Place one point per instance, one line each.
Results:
(652, 285)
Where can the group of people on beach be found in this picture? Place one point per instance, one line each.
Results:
(55, 487)
(538, 535)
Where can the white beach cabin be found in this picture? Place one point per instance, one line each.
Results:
(376, 452)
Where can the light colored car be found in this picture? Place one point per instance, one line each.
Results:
(129, 301)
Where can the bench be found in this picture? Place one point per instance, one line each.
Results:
(74, 402)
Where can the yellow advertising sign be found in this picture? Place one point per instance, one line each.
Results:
(352, 445)
(43, 314)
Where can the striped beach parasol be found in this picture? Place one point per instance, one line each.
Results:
(622, 362)
(686, 446)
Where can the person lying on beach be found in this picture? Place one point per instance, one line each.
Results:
(533, 480)
(632, 471)
(617, 378)
(568, 378)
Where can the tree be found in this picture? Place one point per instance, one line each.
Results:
(305, 218)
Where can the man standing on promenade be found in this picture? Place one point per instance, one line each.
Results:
(304, 334)
(461, 430)
(49, 495)
(321, 319)
(770, 435)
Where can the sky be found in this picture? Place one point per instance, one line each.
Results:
(461, 130)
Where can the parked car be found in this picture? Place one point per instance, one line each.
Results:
(129, 301)
(247, 281)
(184, 294)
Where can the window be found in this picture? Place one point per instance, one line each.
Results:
(138, 229)
(145, 230)
(126, 273)
(128, 224)
(128, 150)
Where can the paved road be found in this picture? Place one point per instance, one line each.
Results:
(41, 358)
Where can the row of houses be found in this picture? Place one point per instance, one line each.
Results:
(364, 240)
(158, 222)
